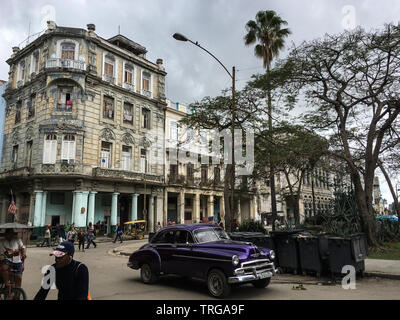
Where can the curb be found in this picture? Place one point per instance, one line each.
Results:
(382, 275)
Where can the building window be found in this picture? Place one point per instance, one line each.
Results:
(128, 74)
(68, 148)
(31, 106)
(204, 174)
(217, 175)
(126, 158)
(173, 131)
(143, 161)
(109, 66)
(146, 84)
(21, 73)
(173, 172)
(190, 171)
(50, 149)
(105, 154)
(108, 110)
(14, 154)
(145, 118)
(128, 113)
(64, 98)
(68, 51)
(29, 153)
(18, 112)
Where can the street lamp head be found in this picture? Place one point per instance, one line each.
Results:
(180, 37)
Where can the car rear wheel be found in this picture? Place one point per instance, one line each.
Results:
(147, 274)
(261, 284)
(217, 284)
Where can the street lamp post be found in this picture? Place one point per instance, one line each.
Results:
(180, 37)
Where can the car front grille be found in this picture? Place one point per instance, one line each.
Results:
(261, 265)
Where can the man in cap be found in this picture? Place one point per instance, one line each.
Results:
(72, 277)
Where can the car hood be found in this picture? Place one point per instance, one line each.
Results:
(244, 250)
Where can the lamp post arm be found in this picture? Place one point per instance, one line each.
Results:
(196, 44)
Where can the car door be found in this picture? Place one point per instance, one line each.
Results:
(164, 244)
(184, 262)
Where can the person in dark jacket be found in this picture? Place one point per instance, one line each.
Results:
(72, 277)
(118, 234)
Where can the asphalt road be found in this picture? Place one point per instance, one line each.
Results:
(111, 279)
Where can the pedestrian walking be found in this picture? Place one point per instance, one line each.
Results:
(158, 226)
(71, 278)
(118, 234)
(81, 240)
(47, 237)
(90, 236)
(71, 235)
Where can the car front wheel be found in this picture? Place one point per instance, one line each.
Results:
(261, 284)
(217, 284)
(147, 274)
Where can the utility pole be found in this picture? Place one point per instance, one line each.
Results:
(233, 150)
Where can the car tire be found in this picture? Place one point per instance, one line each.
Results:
(147, 274)
(262, 283)
(217, 284)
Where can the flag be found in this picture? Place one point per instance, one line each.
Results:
(12, 208)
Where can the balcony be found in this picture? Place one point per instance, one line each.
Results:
(64, 107)
(146, 93)
(66, 63)
(125, 175)
(108, 78)
(129, 86)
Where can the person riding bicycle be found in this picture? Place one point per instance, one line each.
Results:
(13, 256)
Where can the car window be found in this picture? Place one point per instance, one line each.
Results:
(165, 237)
(183, 236)
(210, 234)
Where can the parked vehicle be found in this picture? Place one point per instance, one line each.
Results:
(205, 252)
(134, 229)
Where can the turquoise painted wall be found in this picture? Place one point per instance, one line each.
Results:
(101, 211)
(60, 210)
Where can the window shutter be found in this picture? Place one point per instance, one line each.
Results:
(143, 165)
(53, 151)
(72, 148)
(46, 151)
(64, 150)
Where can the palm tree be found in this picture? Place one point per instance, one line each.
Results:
(268, 31)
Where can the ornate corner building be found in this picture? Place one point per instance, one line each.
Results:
(82, 115)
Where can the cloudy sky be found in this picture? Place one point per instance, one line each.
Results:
(218, 25)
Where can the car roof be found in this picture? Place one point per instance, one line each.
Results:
(190, 227)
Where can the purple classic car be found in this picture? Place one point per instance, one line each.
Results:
(205, 252)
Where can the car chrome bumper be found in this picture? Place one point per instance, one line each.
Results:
(242, 276)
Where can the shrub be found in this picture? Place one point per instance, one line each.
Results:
(252, 226)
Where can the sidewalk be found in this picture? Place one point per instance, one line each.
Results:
(373, 267)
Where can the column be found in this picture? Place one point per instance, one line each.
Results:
(92, 205)
(73, 207)
(151, 214)
(252, 208)
(76, 211)
(181, 207)
(165, 208)
(196, 208)
(255, 206)
(239, 212)
(43, 211)
(159, 214)
(114, 211)
(81, 217)
(222, 209)
(18, 203)
(38, 210)
(210, 207)
(134, 209)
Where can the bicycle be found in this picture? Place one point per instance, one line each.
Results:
(11, 292)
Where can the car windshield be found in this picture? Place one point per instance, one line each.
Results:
(210, 235)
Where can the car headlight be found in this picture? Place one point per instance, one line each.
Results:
(272, 254)
(235, 260)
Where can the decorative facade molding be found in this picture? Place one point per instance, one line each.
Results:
(107, 134)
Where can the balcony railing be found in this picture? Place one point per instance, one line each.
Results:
(108, 78)
(146, 93)
(66, 63)
(129, 86)
(125, 175)
(64, 107)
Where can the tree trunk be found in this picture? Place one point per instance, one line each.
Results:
(313, 191)
(392, 191)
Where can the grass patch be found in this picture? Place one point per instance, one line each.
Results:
(389, 251)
